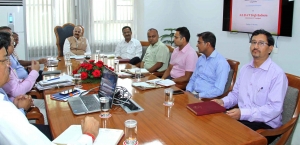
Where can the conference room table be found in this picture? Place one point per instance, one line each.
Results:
(157, 124)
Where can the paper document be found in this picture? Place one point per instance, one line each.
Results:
(132, 71)
(77, 56)
(124, 74)
(143, 84)
(166, 82)
(105, 137)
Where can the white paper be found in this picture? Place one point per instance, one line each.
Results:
(106, 136)
(143, 84)
(77, 56)
(143, 70)
(165, 82)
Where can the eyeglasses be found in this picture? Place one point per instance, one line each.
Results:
(260, 43)
(5, 61)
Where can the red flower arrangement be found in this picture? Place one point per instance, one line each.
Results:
(90, 71)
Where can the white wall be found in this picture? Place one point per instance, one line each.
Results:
(206, 15)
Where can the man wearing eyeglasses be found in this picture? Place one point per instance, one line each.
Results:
(19, 65)
(260, 88)
(129, 48)
(15, 128)
(211, 73)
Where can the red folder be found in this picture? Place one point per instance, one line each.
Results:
(124, 60)
(204, 108)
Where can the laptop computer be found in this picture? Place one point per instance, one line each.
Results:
(91, 103)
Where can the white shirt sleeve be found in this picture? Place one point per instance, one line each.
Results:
(88, 49)
(15, 128)
(67, 47)
(118, 50)
(138, 49)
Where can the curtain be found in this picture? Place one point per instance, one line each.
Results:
(102, 21)
(41, 18)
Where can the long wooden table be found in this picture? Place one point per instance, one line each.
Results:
(159, 124)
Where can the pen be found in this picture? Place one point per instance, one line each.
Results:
(259, 89)
(54, 79)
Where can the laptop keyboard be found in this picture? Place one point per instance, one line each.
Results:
(90, 103)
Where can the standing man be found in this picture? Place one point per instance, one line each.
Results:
(76, 44)
(183, 59)
(129, 48)
(260, 89)
(211, 73)
(157, 55)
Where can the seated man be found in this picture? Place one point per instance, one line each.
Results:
(260, 89)
(211, 73)
(22, 102)
(129, 48)
(183, 59)
(157, 55)
(76, 44)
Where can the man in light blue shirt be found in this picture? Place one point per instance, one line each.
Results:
(211, 73)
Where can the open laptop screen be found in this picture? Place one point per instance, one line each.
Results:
(108, 84)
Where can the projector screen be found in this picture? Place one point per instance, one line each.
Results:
(275, 16)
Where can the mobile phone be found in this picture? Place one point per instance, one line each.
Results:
(69, 92)
(177, 92)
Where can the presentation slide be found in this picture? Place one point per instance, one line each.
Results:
(250, 15)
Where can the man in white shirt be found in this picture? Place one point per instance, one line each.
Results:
(15, 128)
(129, 48)
(76, 44)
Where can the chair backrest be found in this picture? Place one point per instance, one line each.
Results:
(291, 108)
(145, 45)
(63, 32)
(234, 65)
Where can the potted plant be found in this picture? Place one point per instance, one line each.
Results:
(168, 38)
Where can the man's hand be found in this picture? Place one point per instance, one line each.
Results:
(90, 125)
(219, 101)
(43, 61)
(35, 65)
(234, 113)
(23, 101)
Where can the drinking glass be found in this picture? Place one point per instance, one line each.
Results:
(138, 74)
(130, 132)
(116, 65)
(104, 107)
(67, 58)
(169, 99)
(69, 68)
(77, 81)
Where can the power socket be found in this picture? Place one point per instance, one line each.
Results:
(275, 50)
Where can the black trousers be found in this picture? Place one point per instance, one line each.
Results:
(259, 125)
(45, 129)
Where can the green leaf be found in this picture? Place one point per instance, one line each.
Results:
(170, 29)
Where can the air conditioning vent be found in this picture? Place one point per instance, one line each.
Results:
(11, 2)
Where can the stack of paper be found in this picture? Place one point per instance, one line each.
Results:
(143, 85)
(124, 74)
(166, 82)
(132, 71)
(61, 81)
(73, 133)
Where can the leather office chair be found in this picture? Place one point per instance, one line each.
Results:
(34, 112)
(291, 110)
(63, 32)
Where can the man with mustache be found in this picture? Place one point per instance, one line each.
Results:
(76, 44)
(260, 88)
(129, 48)
(13, 122)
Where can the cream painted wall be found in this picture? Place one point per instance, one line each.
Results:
(206, 15)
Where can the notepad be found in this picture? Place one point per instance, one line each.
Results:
(106, 136)
(165, 82)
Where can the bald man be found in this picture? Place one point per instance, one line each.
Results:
(76, 44)
(157, 56)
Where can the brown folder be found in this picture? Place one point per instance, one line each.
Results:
(204, 108)
(124, 60)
